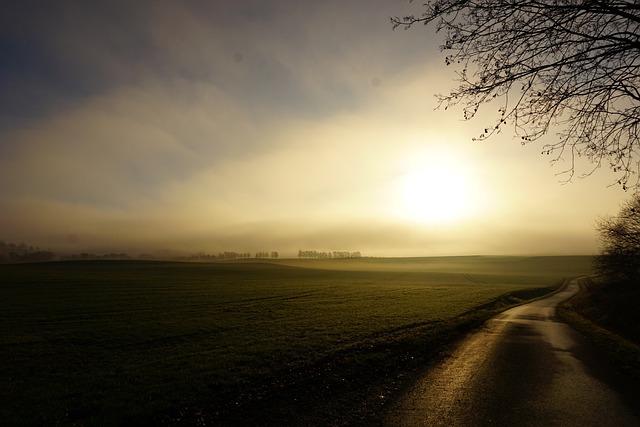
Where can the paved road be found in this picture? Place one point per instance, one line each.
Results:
(524, 368)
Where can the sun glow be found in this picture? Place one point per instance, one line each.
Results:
(434, 194)
(435, 189)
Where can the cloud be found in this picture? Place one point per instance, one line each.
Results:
(250, 126)
(294, 56)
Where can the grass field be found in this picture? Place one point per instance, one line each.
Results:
(124, 342)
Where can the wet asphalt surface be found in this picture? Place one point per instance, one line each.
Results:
(524, 368)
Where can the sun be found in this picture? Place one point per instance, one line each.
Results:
(437, 184)
(434, 193)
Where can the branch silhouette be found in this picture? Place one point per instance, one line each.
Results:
(570, 65)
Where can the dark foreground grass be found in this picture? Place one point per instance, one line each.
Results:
(608, 315)
(148, 343)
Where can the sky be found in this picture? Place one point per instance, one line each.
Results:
(206, 126)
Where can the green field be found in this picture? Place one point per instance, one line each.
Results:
(124, 342)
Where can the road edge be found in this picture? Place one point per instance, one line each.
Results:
(621, 352)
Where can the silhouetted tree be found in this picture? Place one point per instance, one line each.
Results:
(10, 252)
(334, 254)
(570, 63)
(620, 238)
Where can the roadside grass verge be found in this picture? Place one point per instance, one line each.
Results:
(607, 315)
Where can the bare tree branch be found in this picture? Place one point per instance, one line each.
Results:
(573, 65)
(620, 240)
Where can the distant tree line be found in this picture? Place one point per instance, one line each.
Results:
(14, 253)
(202, 257)
(21, 252)
(265, 254)
(326, 255)
(92, 256)
(199, 257)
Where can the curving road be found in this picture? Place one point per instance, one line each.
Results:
(524, 368)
